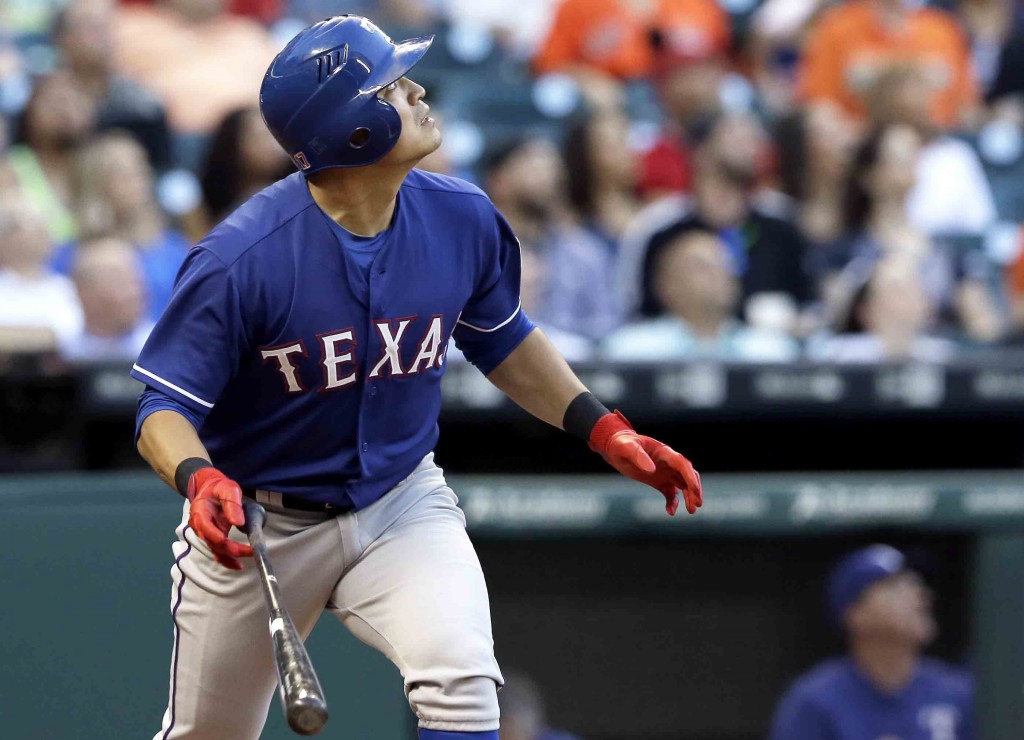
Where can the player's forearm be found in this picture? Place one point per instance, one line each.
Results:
(537, 378)
(165, 440)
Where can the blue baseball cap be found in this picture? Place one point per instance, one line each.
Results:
(856, 572)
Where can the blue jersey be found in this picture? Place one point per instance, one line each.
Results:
(311, 371)
(836, 702)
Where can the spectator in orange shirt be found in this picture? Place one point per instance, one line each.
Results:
(201, 61)
(777, 32)
(855, 41)
(598, 41)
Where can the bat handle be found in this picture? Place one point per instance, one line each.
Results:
(255, 518)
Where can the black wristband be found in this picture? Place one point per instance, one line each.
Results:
(582, 415)
(186, 468)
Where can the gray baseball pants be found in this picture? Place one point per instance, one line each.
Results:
(401, 575)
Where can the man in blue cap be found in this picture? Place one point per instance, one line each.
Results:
(884, 689)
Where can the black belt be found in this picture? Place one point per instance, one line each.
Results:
(284, 501)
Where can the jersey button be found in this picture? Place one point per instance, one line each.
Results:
(366, 446)
(373, 390)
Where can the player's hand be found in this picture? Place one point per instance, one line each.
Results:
(216, 505)
(648, 461)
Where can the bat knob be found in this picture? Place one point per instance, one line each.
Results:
(308, 715)
(255, 516)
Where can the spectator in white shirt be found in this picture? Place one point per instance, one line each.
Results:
(109, 281)
(37, 306)
(520, 32)
(887, 321)
(697, 291)
(956, 281)
(951, 196)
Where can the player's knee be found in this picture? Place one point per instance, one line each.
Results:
(463, 703)
(452, 683)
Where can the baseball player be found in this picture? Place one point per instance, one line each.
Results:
(299, 363)
(884, 689)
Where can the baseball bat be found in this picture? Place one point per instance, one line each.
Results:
(301, 696)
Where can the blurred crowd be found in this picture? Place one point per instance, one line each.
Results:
(739, 180)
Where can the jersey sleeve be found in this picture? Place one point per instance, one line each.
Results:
(493, 323)
(196, 346)
(152, 401)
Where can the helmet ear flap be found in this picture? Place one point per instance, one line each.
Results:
(341, 141)
(375, 135)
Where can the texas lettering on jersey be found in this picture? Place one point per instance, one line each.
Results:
(337, 354)
(310, 359)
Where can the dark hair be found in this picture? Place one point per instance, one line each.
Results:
(22, 128)
(222, 170)
(650, 304)
(857, 201)
(60, 23)
(850, 322)
(790, 136)
(500, 153)
(704, 128)
(222, 174)
(579, 165)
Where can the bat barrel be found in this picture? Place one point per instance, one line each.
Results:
(301, 694)
(307, 715)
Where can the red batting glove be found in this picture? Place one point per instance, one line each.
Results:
(648, 461)
(216, 504)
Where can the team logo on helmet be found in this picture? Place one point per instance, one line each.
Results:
(329, 63)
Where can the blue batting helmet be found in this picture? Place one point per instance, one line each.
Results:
(319, 96)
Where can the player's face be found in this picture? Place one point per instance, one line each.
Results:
(420, 135)
(898, 607)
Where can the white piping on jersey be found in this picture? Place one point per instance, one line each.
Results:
(173, 387)
(488, 331)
